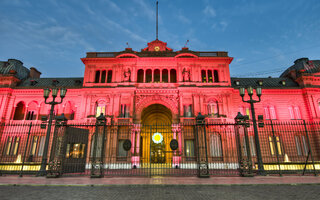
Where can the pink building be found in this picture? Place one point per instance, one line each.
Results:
(157, 86)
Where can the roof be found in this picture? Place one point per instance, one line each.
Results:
(50, 82)
(266, 82)
(14, 67)
(309, 66)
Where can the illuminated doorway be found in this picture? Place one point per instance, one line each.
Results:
(156, 134)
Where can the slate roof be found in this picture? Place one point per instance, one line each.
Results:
(267, 82)
(16, 65)
(50, 82)
(310, 66)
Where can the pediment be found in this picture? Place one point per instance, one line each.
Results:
(157, 45)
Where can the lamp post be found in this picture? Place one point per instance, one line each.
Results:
(46, 93)
(251, 101)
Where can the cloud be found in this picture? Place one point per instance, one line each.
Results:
(209, 11)
(183, 18)
(221, 26)
(113, 6)
(147, 10)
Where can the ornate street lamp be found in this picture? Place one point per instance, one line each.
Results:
(46, 93)
(251, 101)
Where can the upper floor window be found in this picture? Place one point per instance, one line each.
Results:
(19, 111)
(187, 110)
(209, 76)
(125, 112)
(140, 76)
(109, 79)
(102, 76)
(149, 76)
(97, 77)
(32, 111)
(156, 78)
(173, 76)
(294, 112)
(165, 76)
(270, 112)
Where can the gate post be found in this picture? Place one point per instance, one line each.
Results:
(203, 167)
(97, 162)
(245, 164)
(58, 146)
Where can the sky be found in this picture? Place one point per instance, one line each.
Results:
(263, 37)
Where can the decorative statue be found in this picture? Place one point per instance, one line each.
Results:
(126, 75)
(186, 75)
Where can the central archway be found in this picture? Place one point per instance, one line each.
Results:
(156, 114)
(156, 134)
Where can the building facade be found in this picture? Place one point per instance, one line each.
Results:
(158, 87)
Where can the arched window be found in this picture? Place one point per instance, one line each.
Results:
(215, 145)
(213, 109)
(216, 76)
(294, 112)
(156, 76)
(210, 76)
(103, 76)
(32, 111)
(109, 79)
(100, 108)
(203, 76)
(140, 76)
(97, 77)
(173, 76)
(165, 76)
(148, 76)
(19, 112)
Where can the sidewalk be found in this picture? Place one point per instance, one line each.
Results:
(81, 181)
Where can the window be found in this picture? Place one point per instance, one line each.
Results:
(173, 76)
(19, 111)
(125, 112)
(301, 145)
(213, 109)
(41, 145)
(270, 112)
(215, 145)
(100, 109)
(12, 146)
(121, 151)
(273, 146)
(187, 110)
(216, 76)
(189, 148)
(156, 76)
(165, 76)
(294, 112)
(31, 115)
(109, 78)
(210, 76)
(33, 146)
(97, 77)
(149, 76)
(140, 76)
(248, 112)
(103, 76)
(203, 76)
(251, 146)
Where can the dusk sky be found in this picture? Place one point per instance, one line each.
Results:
(264, 37)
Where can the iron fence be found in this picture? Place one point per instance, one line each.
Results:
(103, 149)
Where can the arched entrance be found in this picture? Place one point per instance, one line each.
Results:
(156, 134)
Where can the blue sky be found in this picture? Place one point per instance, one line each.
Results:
(264, 37)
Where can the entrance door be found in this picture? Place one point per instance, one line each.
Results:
(158, 148)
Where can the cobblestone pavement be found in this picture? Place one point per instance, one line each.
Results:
(175, 192)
